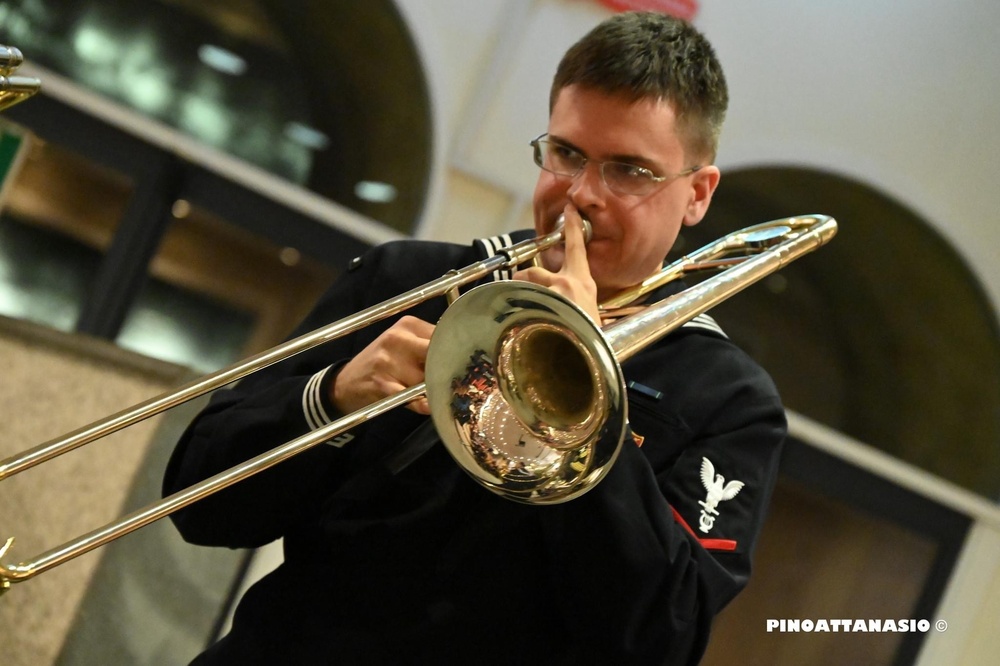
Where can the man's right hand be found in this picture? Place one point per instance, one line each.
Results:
(572, 279)
(394, 361)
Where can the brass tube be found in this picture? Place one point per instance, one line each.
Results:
(631, 334)
(168, 505)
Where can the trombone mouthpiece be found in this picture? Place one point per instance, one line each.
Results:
(588, 230)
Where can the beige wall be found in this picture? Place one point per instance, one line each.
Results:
(53, 383)
(971, 605)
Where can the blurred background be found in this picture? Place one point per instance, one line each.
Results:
(193, 175)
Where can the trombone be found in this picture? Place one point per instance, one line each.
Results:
(516, 426)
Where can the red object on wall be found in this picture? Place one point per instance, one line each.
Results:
(685, 9)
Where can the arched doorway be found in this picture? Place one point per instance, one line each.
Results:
(884, 334)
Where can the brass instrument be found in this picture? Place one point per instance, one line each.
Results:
(14, 89)
(525, 390)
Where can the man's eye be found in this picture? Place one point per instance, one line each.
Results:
(629, 171)
(563, 153)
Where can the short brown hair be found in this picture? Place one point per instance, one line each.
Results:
(643, 55)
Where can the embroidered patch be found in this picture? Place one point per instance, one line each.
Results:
(718, 491)
(707, 544)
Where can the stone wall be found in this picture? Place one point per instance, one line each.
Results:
(53, 383)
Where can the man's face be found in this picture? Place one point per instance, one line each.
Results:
(632, 234)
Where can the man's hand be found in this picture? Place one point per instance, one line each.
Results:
(392, 362)
(573, 279)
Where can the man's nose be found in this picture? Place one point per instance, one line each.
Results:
(588, 188)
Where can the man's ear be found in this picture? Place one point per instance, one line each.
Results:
(703, 184)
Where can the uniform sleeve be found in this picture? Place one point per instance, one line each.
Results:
(265, 410)
(289, 399)
(653, 552)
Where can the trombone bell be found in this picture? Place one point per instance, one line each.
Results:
(525, 392)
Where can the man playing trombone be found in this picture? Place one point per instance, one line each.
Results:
(412, 562)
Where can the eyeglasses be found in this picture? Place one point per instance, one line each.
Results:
(620, 177)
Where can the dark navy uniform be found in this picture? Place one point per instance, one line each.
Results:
(423, 565)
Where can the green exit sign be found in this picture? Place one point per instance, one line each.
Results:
(13, 143)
